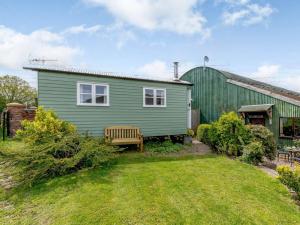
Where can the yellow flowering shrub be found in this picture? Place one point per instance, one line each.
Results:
(46, 126)
(289, 177)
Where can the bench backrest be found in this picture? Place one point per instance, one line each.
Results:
(119, 132)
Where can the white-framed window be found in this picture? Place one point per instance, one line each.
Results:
(92, 94)
(154, 97)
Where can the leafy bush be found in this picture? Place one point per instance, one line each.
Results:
(266, 137)
(297, 143)
(290, 178)
(55, 148)
(203, 133)
(45, 127)
(71, 153)
(163, 147)
(190, 132)
(253, 153)
(229, 134)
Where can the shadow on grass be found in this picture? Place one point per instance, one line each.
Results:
(133, 158)
(102, 175)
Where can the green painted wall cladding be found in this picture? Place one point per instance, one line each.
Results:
(57, 91)
(212, 96)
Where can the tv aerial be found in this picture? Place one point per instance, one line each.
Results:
(205, 60)
(42, 61)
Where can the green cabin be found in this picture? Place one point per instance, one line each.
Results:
(215, 91)
(94, 101)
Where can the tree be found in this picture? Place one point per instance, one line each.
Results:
(15, 89)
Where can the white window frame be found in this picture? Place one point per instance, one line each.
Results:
(93, 94)
(154, 97)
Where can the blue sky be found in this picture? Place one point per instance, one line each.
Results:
(256, 38)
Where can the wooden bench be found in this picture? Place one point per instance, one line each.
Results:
(124, 135)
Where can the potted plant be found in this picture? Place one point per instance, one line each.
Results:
(188, 138)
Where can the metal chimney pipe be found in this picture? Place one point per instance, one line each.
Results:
(176, 71)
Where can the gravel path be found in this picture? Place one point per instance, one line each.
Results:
(271, 172)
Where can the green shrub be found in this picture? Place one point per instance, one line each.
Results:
(55, 148)
(45, 127)
(71, 153)
(229, 134)
(163, 147)
(266, 137)
(190, 132)
(253, 153)
(296, 143)
(203, 133)
(290, 178)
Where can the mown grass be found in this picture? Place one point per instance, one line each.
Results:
(140, 189)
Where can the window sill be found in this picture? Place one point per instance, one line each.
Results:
(154, 106)
(98, 105)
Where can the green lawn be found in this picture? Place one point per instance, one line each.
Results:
(157, 190)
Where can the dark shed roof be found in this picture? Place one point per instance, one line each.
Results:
(268, 87)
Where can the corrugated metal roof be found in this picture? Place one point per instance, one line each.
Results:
(274, 89)
(255, 108)
(102, 74)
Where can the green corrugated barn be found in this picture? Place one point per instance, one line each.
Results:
(215, 91)
(94, 101)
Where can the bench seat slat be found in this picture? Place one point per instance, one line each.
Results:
(126, 141)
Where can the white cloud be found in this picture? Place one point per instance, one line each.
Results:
(289, 82)
(115, 32)
(232, 18)
(267, 71)
(278, 75)
(83, 29)
(119, 33)
(156, 69)
(259, 13)
(161, 70)
(16, 48)
(246, 13)
(171, 15)
(234, 2)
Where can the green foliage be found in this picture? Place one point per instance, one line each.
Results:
(296, 143)
(190, 132)
(290, 178)
(70, 153)
(203, 133)
(15, 89)
(253, 153)
(163, 147)
(229, 134)
(46, 127)
(266, 137)
(55, 148)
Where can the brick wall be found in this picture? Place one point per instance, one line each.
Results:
(17, 113)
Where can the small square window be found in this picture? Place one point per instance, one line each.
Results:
(92, 94)
(154, 97)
